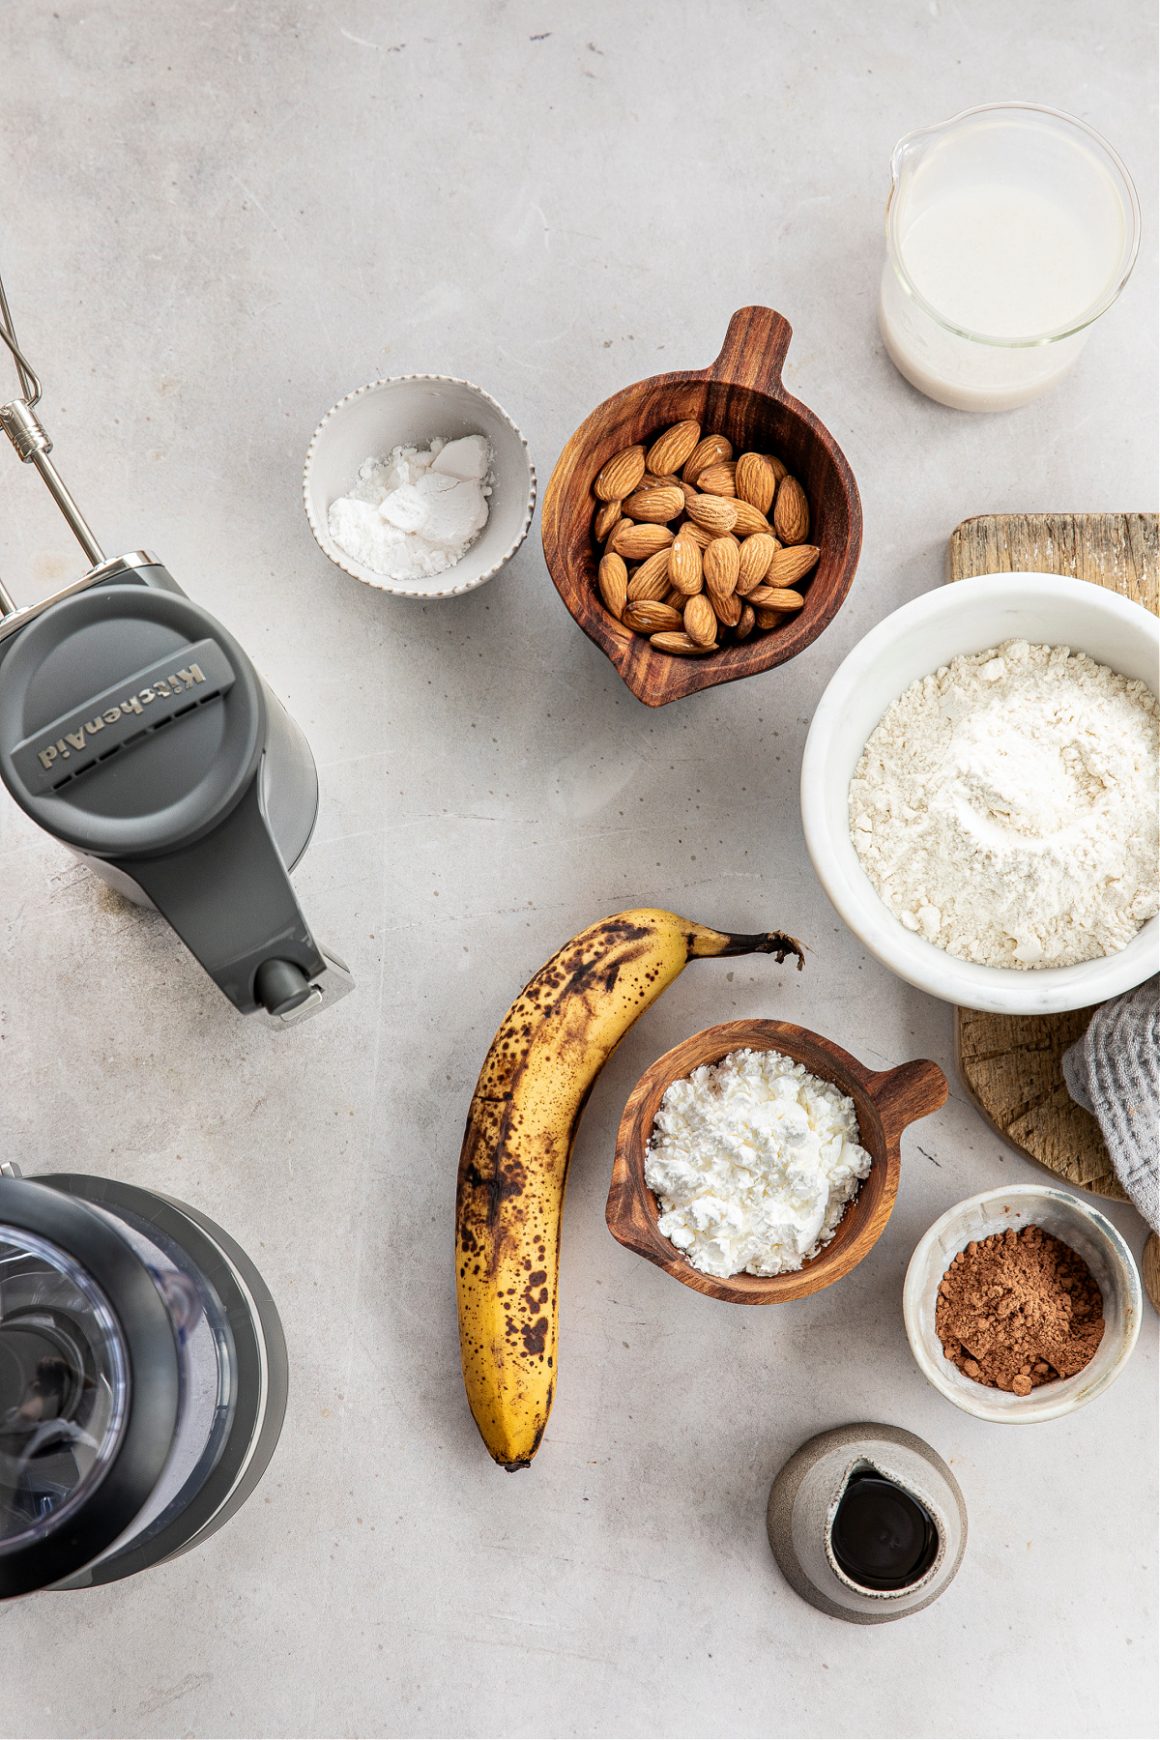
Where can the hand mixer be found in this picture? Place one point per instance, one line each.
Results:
(135, 730)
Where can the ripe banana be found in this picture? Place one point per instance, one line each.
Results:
(552, 1044)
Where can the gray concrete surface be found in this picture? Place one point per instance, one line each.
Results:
(217, 219)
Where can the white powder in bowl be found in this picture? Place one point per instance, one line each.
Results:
(753, 1161)
(418, 511)
(1005, 807)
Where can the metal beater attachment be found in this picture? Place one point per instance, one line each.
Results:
(28, 435)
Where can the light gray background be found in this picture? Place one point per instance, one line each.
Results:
(216, 220)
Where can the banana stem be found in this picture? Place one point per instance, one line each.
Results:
(764, 942)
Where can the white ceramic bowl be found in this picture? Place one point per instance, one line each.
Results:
(410, 409)
(1079, 1225)
(966, 617)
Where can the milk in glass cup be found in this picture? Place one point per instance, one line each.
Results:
(1009, 230)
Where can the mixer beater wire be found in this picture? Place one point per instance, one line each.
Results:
(28, 435)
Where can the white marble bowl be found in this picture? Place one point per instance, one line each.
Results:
(410, 409)
(1067, 1217)
(967, 617)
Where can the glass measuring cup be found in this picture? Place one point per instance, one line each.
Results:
(1009, 230)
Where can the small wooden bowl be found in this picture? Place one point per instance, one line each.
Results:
(886, 1102)
(740, 396)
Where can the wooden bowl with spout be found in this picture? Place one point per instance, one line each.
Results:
(740, 396)
(885, 1100)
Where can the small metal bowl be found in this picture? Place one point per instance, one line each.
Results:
(886, 1101)
(409, 410)
(742, 397)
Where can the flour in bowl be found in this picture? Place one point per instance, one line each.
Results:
(418, 511)
(753, 1161)
(1005, 807)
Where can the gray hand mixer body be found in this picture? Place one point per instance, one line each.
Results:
(134, 728)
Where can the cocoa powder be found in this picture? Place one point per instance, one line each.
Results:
(1019, 1309)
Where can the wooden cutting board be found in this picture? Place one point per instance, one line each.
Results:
(1011, 1064)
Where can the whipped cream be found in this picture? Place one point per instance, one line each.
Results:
(418, 511)
(753, 1161)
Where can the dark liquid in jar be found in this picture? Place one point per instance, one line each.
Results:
(882, 1536)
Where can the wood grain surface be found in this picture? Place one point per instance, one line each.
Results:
(1150, 1269)
(1011, 1064)
(742, 397)
(886, 1101)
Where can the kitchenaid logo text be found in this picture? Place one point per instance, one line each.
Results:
(175, 684)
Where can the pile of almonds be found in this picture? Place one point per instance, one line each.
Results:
(697, 544)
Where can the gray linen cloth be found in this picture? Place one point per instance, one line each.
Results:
(1114, 1073)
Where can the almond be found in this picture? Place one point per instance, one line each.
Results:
(755, 481)
(756, 553)
(727, 609)
(779, 470)
(607, 515)
(685, 563)
(679, 643)
(722, 561)
(717, 479)
(700, 535)
(748, 522)
(621, 525)
(612, 578)
(786, 567)
(670, 450)
(638, 543)
(677, 599)
(745, 622)
(708, 452)
(651, 579)
(688, 490)
(791, 512)
(620, 475)
(700, 621)
(714, 512)
(775, 598)
(655, 505)
(650, 616)
(769, 618)
(659, 480)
